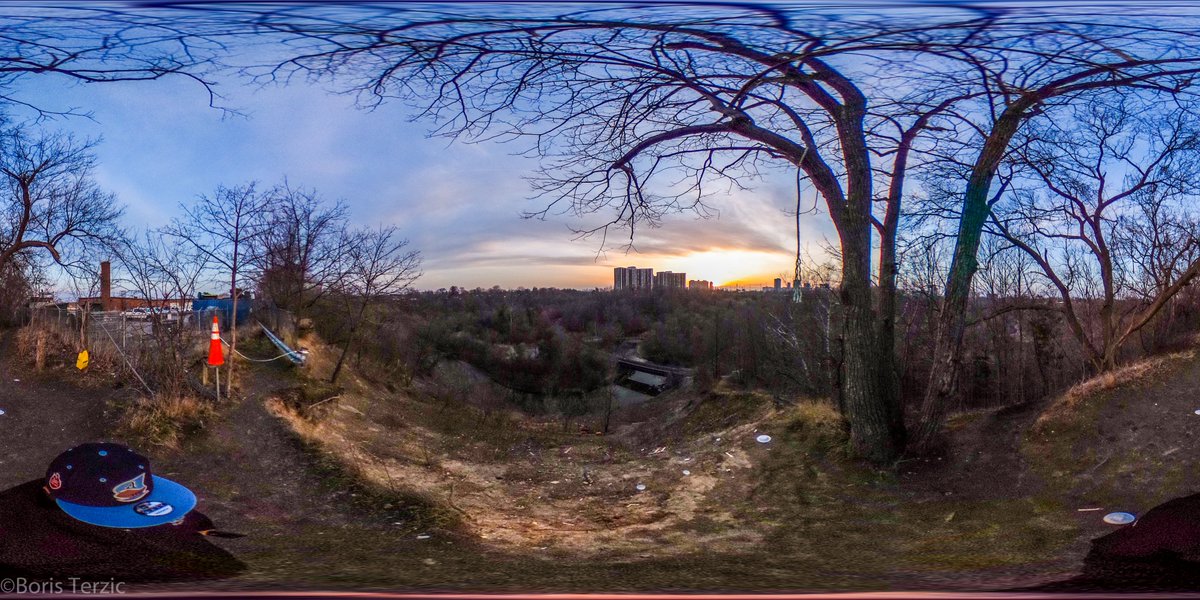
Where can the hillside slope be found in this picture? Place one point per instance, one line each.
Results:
(383, 489)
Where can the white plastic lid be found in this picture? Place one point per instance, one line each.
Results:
(1119, 518)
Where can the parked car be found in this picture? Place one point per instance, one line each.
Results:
(137, 313)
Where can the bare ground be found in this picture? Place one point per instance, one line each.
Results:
(381, 491)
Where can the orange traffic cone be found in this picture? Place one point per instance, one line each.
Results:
(216, 357)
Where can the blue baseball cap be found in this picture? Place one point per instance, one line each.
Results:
(110, 485)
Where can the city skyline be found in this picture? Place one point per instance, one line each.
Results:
(640, 277)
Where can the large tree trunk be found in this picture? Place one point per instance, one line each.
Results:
(889, 373)
(867, 395)
(943, 379)
(867, 391)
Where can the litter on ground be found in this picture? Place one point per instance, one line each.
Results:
(763, 439)
(641, 487)
(687, 472)
(1087, 509)
(1119, 518)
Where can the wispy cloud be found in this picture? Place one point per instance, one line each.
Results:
(460, 204)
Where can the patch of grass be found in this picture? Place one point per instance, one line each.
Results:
(163, 420)
(983, 534)
(682, 416)
(830, 507)
(816, 429)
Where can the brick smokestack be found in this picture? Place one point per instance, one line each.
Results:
(105, 286)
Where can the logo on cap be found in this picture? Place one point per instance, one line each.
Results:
(151, 508)
(132, 490)
(55, 481)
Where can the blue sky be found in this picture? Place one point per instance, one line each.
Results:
(458, 203)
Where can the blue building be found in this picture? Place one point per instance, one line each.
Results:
(204, 306)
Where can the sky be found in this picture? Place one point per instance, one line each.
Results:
(459, 203)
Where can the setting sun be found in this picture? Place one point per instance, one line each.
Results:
(723, 267)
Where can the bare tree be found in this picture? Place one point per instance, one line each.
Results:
(161, 276)
(84, 283)
(643, 110)
(51, 203)
(1108, 216)
(101, 43)
(300, 253)
(646, 112)
(1030, 66)
(379, 266)
(224, 229)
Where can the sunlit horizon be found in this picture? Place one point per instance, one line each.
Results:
(725, 268)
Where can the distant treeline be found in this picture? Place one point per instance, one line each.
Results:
(550, 342)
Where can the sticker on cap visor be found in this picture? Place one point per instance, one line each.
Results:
(152, 508)
(55, 481)
(132, 490)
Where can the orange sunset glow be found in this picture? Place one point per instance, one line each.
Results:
(723, 267)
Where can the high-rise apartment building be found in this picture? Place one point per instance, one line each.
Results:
(632, 278)
(699, 284)
(667, 280)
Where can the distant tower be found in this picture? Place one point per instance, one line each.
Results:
(105, 286)
(778, 284)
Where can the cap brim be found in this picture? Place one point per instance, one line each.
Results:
(180, 500)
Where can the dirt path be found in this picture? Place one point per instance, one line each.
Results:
(253, 477)
(42, 417)
(983, 459)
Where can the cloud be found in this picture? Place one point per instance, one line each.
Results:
(460, 204)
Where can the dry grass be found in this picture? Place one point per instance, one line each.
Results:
(164, 420)
(321, 358)
(59, 349)
(1083, 393)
